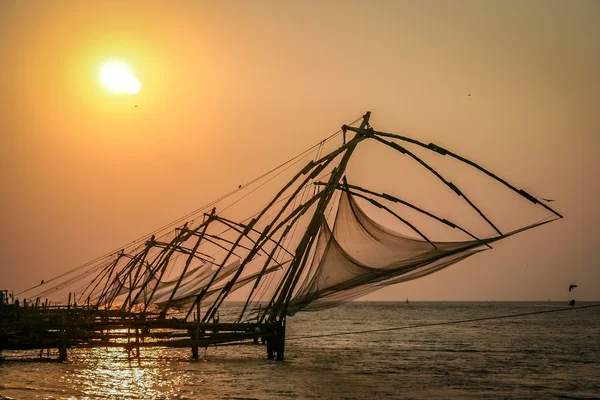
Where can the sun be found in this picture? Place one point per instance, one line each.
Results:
(117, 77)
(132, 85)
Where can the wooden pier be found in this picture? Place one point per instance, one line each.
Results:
(63, 328)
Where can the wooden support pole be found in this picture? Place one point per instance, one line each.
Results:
(194, 336)
(280, 343)
(122, 276)
(303, 249)
(128, 342)
(264, 268)
(195, 333)
(266, 235)
(108, 274)
(276, 344)
(62, 344)
(164, 263)
(163, 313)
(137, 342)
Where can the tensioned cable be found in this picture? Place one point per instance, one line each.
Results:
(463, 321)
(261, 185)
(283, 199)
(204, 207)
(267, 282)
(297, 159)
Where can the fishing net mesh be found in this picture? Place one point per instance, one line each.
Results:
(359, 256)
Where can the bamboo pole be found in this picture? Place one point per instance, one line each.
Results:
(305, 244)
(452, 186)
(187, 263)
(444, 152)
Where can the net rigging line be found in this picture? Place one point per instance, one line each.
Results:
(261, 185)
(266, 283)
(204, 207)
(282, 199)
(462, 321)
(87, 272)
(198, 210)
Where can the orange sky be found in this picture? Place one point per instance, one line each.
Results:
(230, 90)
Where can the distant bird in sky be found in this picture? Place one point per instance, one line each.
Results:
(572, 286)
(42, 282)
(239, 187)
(136, 105)
(469, 94)
(548, 200)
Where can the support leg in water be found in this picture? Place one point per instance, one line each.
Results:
(194, 336)
(276, 349)
(270, 352)
(280, 349)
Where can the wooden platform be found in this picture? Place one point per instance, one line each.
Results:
(63, 328)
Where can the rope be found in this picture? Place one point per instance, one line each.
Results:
(463, 321)
(269, 279)
(191, 214)
(204, 207)
(261, 185)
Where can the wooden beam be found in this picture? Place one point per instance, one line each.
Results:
(187, 263)
(452, 186)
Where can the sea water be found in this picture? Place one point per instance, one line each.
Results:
(553, 355)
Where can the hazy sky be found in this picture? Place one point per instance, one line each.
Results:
(231, 89)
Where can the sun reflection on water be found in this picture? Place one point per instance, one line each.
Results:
(112, 373)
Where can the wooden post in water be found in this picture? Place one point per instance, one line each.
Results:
(129, 343)
(196, 333)
(276, 344)
(194, 336)
(137, 343)
(62, 343)
(280, 342)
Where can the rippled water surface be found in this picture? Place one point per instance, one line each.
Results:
(554, 355)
